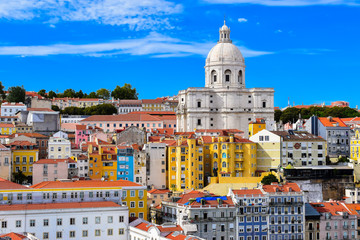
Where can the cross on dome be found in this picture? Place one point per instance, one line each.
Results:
(224, 33)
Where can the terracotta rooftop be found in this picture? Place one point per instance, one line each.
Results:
(32, 135)
(54, 161)
(130, 117)
(332, 122)
(85, 184)
(13, 236)
(334, 208)
(85, 127)
(5, 184)
(67, 205)
(248, 192)
(288, 187)
(12, 104)
(6, 125)
(159, 191)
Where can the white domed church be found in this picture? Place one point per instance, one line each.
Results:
(224, 102)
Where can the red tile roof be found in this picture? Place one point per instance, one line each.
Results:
(32, 135)
(12, 104)
(130, 117)
(6, 125)
(169, 228)
(5, 184)
(85, 184)
(334, 208)
(332, 122)
(354, 208)
(84, 127)
(159, 191)
(54, 161)
(13, 236)
(288, 187)
(67, 205)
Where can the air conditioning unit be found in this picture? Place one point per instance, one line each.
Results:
(9, 202)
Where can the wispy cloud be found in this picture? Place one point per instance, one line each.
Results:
(309, 51)
(137, 14)
(153, 45)
(242, 20)
(287, 2)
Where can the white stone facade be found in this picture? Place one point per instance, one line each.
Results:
(59, 148)
(10, 109)
(224, 102)
(77, 222)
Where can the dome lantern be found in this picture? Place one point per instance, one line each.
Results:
(224, 34)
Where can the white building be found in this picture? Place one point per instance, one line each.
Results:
(352, 195)
(59, 148)
(85, 220)
(224, 102)
(127, 106)
(83, 165)
(10, 109)
(156, 171)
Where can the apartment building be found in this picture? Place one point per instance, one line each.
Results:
(5, 162)
(11, 108)
(59, 148)
(355, 145)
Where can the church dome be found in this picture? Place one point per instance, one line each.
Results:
(224, 51)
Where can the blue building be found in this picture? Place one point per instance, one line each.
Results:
(286, 211)
(125, 163)
(252, 214)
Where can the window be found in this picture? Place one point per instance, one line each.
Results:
(121, 231)
(46, 222)
(18, 223)
(72, 221)
(97, 232)
(45, 235)
(32, 223)
(264, 104)
(4, 224)
(199, 104)
(72, 234)
(109, 232)
(132, 193)
(85, 233)
(58, 234)
(97, 220)
(227, 75)
(59, 221)
(199, 122)
(85, 220)
(132, 204)
(121, 218)
(110, 219)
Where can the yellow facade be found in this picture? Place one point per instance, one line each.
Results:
(191, 161)
(102, 162)
(268, 156)
(7, 129)
(23, 160)
(134, 199)
(257, 126)
(355, 146)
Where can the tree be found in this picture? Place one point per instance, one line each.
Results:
(102, 109)
(92, 95)
(16, 94)
(42, 92)
(79, 94)
(19, 177)
(52, 94)
(103, 93)
(73, 111)
(125, 92)
(2, 92)
(267, 180)
(69, 93)
(55, 108)
(277, 115)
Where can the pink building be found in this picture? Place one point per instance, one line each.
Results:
(337, 221)
(53, 169)
(111, 123)
(83, 132)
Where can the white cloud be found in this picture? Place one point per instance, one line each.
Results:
(241, 20)
(137, 14)
(153, 45)
(278, 31)
(287, 2)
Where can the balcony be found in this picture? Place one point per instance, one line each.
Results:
(346, 227)
(328, 227)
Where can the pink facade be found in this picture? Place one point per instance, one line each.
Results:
(53, 169)
(111, 123)
(83, 132)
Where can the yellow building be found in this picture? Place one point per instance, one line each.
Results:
(102, 161)
(24, 154)
(121, 192)
(191, 160)
(7, 128)
(355, 145)
(256, 126)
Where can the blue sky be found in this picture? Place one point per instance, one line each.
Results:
(306, 49)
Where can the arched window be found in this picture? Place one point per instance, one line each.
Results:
(224, 155)
(213, 76)
(224, 146)
(224, 164)
(215, 146)
(215, 165)
(227, 75)
(240, 80)
(215, 155)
